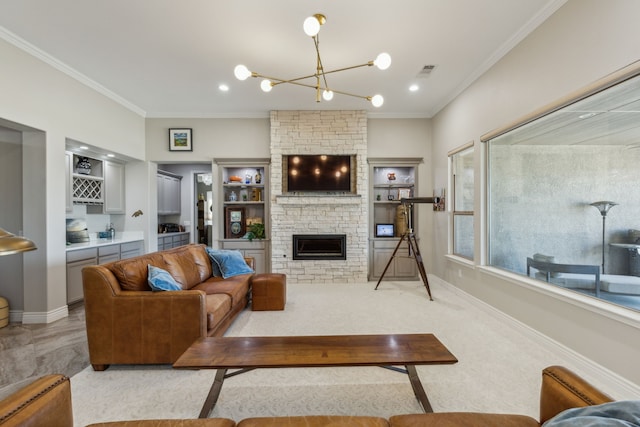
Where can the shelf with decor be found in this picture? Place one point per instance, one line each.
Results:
(87, 180)
(390, 180)
(243, 220)
(94, 182)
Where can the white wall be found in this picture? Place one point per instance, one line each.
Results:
(38, 96)
(582, 42)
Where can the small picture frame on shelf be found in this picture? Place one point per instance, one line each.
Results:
(235, 226)
(180, 140)
(391, 197)
(404, 193)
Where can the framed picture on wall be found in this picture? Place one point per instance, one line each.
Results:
(234, 224)
(180, 140)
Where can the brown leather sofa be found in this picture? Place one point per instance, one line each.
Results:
(128, 323)
(47, 402)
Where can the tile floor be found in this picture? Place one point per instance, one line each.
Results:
(30, 351)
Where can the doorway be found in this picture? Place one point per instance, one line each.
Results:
(204, 210)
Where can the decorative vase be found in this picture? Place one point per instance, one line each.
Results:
(258, 176)
(83, 166)
(233, 196)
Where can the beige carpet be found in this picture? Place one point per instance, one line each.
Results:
(498, 370)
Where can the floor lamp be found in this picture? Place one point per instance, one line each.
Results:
(11, 244)
(603, 207)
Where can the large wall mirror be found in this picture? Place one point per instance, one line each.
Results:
(564, 192)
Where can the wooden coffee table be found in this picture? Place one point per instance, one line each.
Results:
(248, 353)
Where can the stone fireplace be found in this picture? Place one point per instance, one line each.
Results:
(309, 214)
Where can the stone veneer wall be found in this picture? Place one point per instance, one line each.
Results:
(319, 132)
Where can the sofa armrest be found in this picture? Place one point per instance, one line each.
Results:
(46, 401)
(136, 327)
(562, 389)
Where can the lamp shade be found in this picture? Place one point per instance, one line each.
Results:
(12, 244)
(603, 206)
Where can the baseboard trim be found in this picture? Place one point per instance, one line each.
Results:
(617, 386)
(46, 316)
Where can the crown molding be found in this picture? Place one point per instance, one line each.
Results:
(551, 7)
(34, 51)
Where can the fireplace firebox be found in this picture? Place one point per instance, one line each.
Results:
(320, 246)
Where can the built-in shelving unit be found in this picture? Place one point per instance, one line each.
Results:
(87, 188)
(390, 180)
(243, 199)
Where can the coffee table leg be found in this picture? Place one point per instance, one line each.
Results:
(418, 390)
(214, 392)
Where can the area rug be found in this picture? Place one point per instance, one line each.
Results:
(499, 368)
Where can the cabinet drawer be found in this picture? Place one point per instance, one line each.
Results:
(131, 246)
(391, 243)
(108, 258)
(108, 250)
(82, 254)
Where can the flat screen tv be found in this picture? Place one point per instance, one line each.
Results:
(318, 173)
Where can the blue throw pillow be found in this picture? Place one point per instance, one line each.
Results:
(214, 264)
(161, 280)
(621, 413)
(230, 263)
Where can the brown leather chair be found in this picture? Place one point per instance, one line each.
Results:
(561, 389)
(44, 402)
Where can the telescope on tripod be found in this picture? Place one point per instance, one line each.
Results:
(409, 235)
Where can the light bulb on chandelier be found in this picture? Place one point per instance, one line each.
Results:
(311, 27)
(266, 85)
(377, 101)
(241, 72)
(383, 61)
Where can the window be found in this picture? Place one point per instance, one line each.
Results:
(546, 176)
(462, 182)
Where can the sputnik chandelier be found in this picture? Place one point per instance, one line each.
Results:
(311, 27)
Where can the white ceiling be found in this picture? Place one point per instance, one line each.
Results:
(166, 58)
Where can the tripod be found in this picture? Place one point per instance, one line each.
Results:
(413, 243)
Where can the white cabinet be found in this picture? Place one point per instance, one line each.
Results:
(172, 240)
(108, 253)
(131, 249)
(391, 179)
(169, 194)
(76, 261)
(103, 186)
(80, 258)
(114, 196)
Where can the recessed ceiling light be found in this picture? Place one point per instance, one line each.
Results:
(586, 115)
(223, 87)
(84, 147)
(414, 88)
(111, 155)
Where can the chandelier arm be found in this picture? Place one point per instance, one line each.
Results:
(279, 80)
(368, 98)
(316, 42)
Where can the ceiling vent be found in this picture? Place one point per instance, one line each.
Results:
(426, 70)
